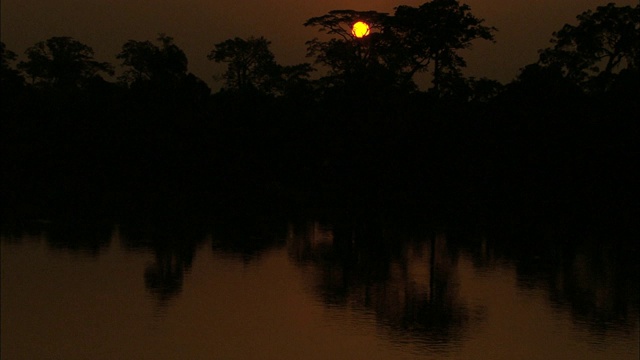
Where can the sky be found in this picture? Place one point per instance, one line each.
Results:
(524, 27)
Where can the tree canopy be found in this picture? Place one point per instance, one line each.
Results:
(431, 35)
(252, 66)
(62, 62)
(411, 40)
(9, 77)
(361, 132)
(603, 43)
(346, 56)
(148, 62)
(250, 62)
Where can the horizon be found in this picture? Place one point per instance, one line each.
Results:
(523, 29)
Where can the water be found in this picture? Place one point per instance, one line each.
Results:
(262, 289)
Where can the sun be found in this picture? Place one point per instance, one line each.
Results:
(360, 29)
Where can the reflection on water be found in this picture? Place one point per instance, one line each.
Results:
(264, 288)
(173, 249)
(411, 285)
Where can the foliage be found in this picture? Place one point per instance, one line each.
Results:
(250, 63)
(62, 62)
(604, 42)
(412, 40)
(433, 33)
(293, 80)
(6, 57)
(9, 77)
(148, 62)
(251, 66)
(361, 62)
(160, 73)
(347, 52)
(366, 137)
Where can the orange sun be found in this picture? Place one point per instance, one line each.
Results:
(360, 29)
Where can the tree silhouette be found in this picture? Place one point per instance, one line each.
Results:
(293, 80)
(412, 40)
(603, 43)
(62, 62)
(360, 61)
(252, 66)
(347, 53)
(250, 63)
(160, 73)
(9, 77)
(431, 35)
(148, 62)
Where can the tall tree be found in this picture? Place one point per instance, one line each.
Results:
(349, 58)
(62, 62)
(412, 40)
(603, 43)
(159, 72)
(10, 78)
(147, 62)
(431, 36)
(293, 80)
(250, 63)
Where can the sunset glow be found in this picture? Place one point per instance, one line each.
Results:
(360, 29)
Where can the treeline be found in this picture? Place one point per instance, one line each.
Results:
(362, 135)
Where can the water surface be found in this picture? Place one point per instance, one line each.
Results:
(262, 289)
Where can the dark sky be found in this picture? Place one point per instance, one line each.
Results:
(196, 25)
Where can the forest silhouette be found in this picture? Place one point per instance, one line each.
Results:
(352, 130)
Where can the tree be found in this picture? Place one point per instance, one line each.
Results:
(347, 53)
(412, 40)
(160, 73)
(251, 66)
(603, 43)
(146, 62)
(458, 89)
(431, 35)
(63, 62)
(250, 63)
(293, 80)
(351, 59)
(9, 78)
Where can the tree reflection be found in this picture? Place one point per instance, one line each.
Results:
(592, 276)
(174, 245)
(409, 281)
(82, 236)
(405, 274)
(247, 236)
(78, 235)
(164, 277)
(598, 283)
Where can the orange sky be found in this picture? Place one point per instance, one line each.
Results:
(196, 25)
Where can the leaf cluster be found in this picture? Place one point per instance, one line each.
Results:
(63, 62)
(604, 42)
(146, 61)
(411, 40)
